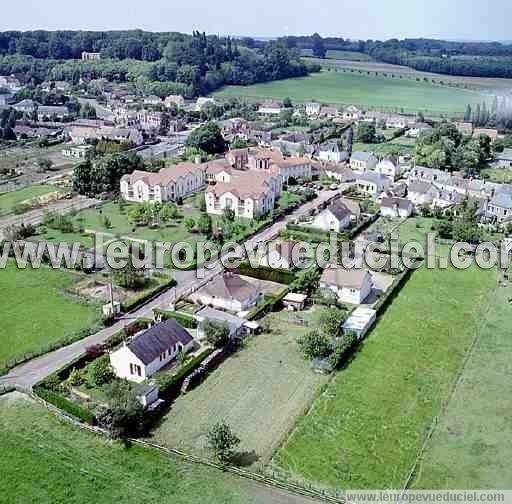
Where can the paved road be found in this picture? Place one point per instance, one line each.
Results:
(27, 375)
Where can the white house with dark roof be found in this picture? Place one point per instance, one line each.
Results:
(336, 217)
(499, 208)
(422, 193)
(349, 285)
(332, 152)
(313, 109)
(150, 350)
(363, 161)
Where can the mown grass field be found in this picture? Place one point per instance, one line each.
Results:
(366, 429)
(260, 392)
(35, 312)
(501, 175)
(9, 200)
(48, 461)
(119, 226)
(472, 443)
(360, 89)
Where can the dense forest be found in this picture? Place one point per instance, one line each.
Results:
(474, 59)
(189, 64)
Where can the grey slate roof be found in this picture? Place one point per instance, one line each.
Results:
(363, 156)
(148, 345)
(506, 155)
(503, 200)
(339, 210)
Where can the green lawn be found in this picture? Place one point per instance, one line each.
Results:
(345, 88)
(48, 461)
(93, 219)
(9, 200)
(367, 428)
(384, 149)
(34, 310)
(472, 445)
(501, 175)
(259, 391)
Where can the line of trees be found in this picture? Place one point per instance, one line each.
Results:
(170, 62)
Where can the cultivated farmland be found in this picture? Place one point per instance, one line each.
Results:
(260, 391)
(367, 428)
(370, 91)
(35, 312)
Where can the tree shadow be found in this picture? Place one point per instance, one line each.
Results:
(245, 459)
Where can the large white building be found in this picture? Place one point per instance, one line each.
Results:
(169, 184)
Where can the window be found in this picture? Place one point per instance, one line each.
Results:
(135, 370)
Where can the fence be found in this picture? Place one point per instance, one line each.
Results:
(268, 477)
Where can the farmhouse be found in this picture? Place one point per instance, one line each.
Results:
(335, 217)
(416, 129)
(396, 207)
(340, 172)
(350, 286)
(26, 106)
(363, 161)
(229, 292)
(152, 100)
(78, 151)
(174, 101)
(51, 112)
(466, 128)
(150, 351)
(169, 184)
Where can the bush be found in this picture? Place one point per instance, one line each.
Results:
(217, 333)
(76, 378)
(343, 349)
(222, 441)
(183, 319)
(269, 274)
(100, 372)
(314, 345)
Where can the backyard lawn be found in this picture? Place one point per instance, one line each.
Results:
(11, 199)
(366, 429)
(472, 443)
(112, 220)
(360, 89)
(48, 461)
(34, 310)
(500, 175)
(260, 392)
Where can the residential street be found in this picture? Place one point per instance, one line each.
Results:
(27, 375)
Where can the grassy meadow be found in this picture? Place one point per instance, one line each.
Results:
(48, 461)
(35, 312)
(360, 89)
(367, 428)
(472, 443)
(260, 391)
(9, 200)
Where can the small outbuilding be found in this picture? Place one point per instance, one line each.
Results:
(360, 322)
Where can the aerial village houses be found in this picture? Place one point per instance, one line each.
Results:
(229, 292)
(169, 184)
(271, 107)
(284, 254)
(363, 161)
(372, 183)
(396, 208)
(150, 351)
(389, 167)
(350, 286)
(335, 217)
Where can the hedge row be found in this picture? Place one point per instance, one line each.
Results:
(132, 305)
(60, 402)
(262, 273)
(170, 384)
(362, 226)
(269, 305)
(183, 319)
